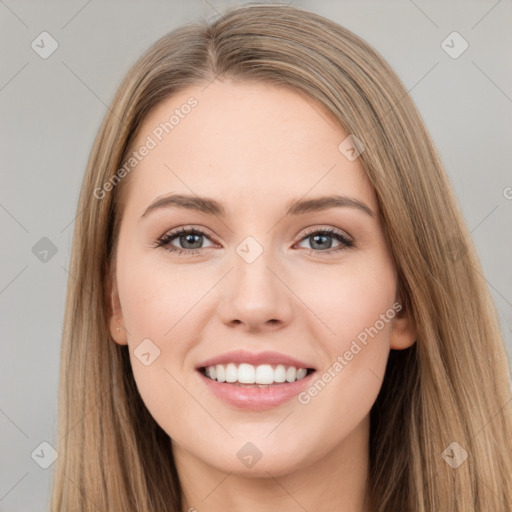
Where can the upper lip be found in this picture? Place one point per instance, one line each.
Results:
(243, 356)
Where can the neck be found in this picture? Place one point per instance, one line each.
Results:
(335, 481)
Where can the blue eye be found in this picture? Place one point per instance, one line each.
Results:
(323, 237)
(191, 240)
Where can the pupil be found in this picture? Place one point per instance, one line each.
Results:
(189, 238)
(316, 237)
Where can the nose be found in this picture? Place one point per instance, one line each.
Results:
(256, 296)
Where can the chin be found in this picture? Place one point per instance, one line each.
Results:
(247, 459)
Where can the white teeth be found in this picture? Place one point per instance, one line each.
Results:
(247, 374)
(221, 373)
(301, 373)
(231, 373)
(291, 374)
(210, 372)
(279, 373)
(264, 374)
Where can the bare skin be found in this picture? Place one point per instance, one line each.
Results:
(254, 148)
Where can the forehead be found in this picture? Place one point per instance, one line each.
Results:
(249, 142)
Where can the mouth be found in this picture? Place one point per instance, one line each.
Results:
(255, 376)
(255, 382)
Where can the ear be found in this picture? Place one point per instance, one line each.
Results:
(116, 322)
(403, 334)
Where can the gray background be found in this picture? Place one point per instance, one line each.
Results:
(51, 109)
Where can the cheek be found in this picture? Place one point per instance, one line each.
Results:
(157, 300)
(163, 309)
(358, 310)
(158, 310)
(352, 303)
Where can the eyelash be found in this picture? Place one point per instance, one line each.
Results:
(166, 239)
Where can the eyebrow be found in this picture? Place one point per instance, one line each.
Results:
(295, 207)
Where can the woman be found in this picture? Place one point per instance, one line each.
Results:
(263, 367)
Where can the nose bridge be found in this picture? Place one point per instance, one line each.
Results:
(256, 296)
(254, 280)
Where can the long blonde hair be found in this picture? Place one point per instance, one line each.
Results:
(451, 386)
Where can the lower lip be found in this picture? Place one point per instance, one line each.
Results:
(256, 399)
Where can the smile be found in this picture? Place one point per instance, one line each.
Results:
(250, 375)
(255, 381)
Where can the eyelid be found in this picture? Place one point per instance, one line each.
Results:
(345, 240)
(185, 229)
(329, 229)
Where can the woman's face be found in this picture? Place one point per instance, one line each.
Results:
(269, 284)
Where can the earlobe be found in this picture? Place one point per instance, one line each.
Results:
(117, 331)
(403, 334)
(116, 322)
